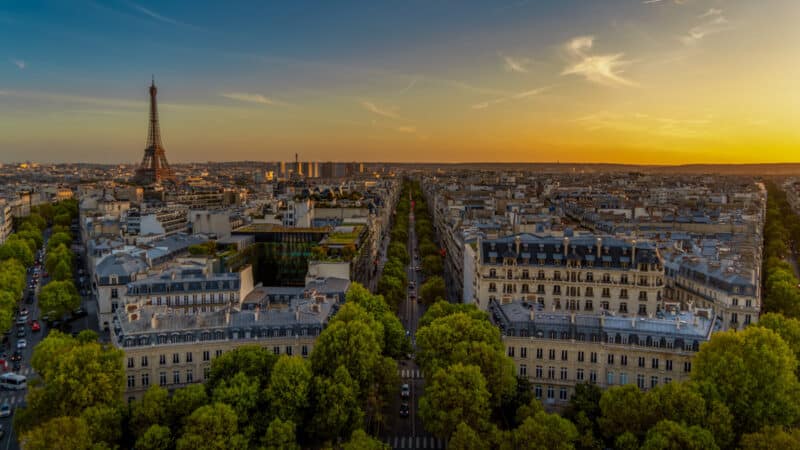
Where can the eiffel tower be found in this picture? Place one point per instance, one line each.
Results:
(154, 168)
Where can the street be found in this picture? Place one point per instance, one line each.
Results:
(408, 432)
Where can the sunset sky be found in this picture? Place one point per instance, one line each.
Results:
(632, 81)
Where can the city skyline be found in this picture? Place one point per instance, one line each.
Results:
(639, 82)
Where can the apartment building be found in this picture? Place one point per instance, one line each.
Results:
(582, 273)
(557, 350)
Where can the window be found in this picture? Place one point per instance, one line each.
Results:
(593, 377)
(176, 377)
(667, 380)
(623, 307)
(523, 352)
(176, 358)
(114, 293)
(623, 293)
(606, 293)
(687, 366)
(551, 372)
(734, 318)
(304, 351)
(206, 371)
(668, 365)
(580, 356)
(492, 287)
(642, 310)
(564, 373)
(511, 351)
(537, 391)
(623, 378)
(623, 360)
(539, 353)
(206, 355)
(747, 319)
(162, 359)
(523, 370)
(562, 394)
(189, 376)
(131, 381)
(551, 393)
(289, 350)
(556, 290)
(130, 363)
(564, 355)
(579, 374)
(611, 359)
(218, 353)
(538, 371)
(590, 291)
(653, 381)
(552, 354)
(188, 357)
(654, 363)
(643, 295)
(540, 289)
(641, 361)
(610, 378)
(144, 361)
(593, 357)
(162, 379)
(640, 381)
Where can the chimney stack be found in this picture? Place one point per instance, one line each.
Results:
(154, 322)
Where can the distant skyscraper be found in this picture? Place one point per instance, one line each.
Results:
(154, 167)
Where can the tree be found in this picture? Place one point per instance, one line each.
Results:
(442, 308)
(546, 432)
(625, 409)
(150, 410)
(432, 289)
(252, 360)
(59, 297)
(770, 438)
(212, 427)
(733, 363)
(362, 441)
(62, 219)
(393, 289)
(432, 265)
(290, 387)
(16, 249)
(280, 436)
(352, 344)
(60, 433)
(465, 438)
(456, 394)
(105, 423)
(398, 250)
(74, 376)
(58, 239)
(669, 435)
(336, 412)
(788, 329)
(243, 394)
(157, 437)
(184, 401)
(62, 271)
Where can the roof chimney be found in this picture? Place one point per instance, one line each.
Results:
(633, 253)
(599, 247)
(566, 245)
(154, 321)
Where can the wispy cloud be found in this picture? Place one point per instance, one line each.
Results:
(21, 65)
(511, 64)
(407, 129)
(253, 98)
(517, 96)
(388, 112)
(411, 84)
(653, 2)
(646, 123)
(714, 22)
(598, 68)
(158, 16)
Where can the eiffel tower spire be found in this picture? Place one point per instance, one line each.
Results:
(154, 167)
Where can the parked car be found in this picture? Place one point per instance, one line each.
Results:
(21, 332)
(35, 326)
(17, 356)
(405, 391)
(5, 410)
(404, 409)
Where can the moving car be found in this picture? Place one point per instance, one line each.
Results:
(79, 312)
(35, 326)
(405, 391)
(5, 410)
(22, 343)
(16, 356)
(404, 409)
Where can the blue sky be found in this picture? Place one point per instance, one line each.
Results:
(421, 80)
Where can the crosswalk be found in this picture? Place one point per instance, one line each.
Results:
(415, 442)
(12, 397)
(410, 373)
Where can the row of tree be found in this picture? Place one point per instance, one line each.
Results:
(781, 238)
(394, 278)
(252, 398)
(60, 296)
(431, 261)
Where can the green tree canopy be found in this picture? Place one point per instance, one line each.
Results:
(771, 438)
(432, 289)
(290, 388)
(59, 297)
(336, 413)
(60, 433)
(16, 249)
(280, 435)
(212, 427)
(253, 360)
(546, 432)
(456, 394)
(157, 437)
(669, 435)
